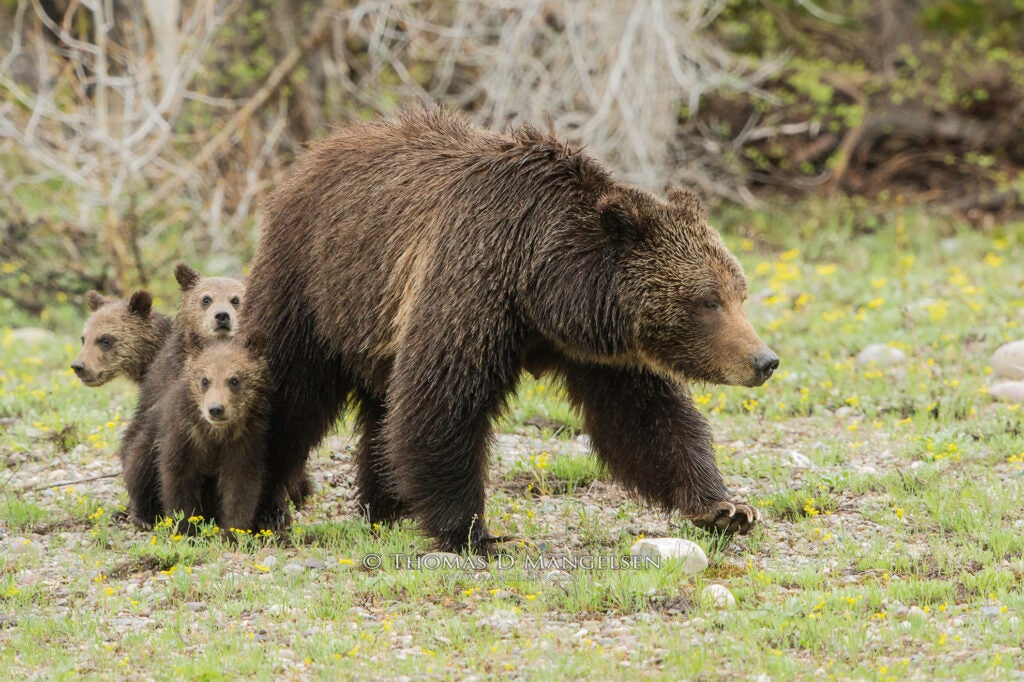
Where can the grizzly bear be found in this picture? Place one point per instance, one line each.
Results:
(120, 338)
(418, 265)
(209, 310)
(211, 426)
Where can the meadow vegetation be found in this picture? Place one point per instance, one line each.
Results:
(892, 546)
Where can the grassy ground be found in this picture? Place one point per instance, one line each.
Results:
(892, 548)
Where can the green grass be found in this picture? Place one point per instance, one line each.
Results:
(897, 553)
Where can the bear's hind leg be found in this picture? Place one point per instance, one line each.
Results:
(378, 497)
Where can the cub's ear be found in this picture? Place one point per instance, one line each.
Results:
(192, 343)
(686, 200)
(255, 341)
(141, 303)
(618, 211)
(187, 276)
(94, 300)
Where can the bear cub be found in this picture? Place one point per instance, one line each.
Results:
(211, 426)
(120, 338)
(208, 311)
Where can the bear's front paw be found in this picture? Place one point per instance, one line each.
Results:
(728, 517)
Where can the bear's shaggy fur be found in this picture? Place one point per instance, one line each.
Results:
(419, 264)
(208, 310)
(120, 338)
(211, 426)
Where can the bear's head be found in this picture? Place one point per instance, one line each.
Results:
(227, 383)
(117, 339)
(685, 288)
(209, 305)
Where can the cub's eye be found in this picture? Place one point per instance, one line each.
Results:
(235, 301)
(711, 304)
(105, 342)
(204, 382)
(234, 382)
(83, 339)
(207, 300)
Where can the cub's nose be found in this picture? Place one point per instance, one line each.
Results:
(765, 364)
(216, 411)
(223, 318)
(78, 366)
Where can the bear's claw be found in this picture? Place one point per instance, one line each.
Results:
(726, 517)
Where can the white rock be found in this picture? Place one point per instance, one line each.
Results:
(1008, 361)
(269, 561)
(720, 596)
(881, 355)
(689, 554)
(798, 460)
(1012, 391)
(31, 336)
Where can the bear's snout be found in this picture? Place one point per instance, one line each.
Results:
(78, 366)
(222, 320)
(765, 363)
(216, 411)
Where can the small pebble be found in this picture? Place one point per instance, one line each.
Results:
(1008, 361)
(269, 561)
(991, 611)
(690, 554)
(313, 563)
(798, 460)
(292, 568)
(31, 336)
(1010, 391)
(881, 355)
(720, 596)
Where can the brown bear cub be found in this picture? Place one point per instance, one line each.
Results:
(208, 310)
(120, 338)
(211, 433)
(418, 265)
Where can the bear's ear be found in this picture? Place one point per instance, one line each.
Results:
(255, 341)
(686, 200)
(94, 300)
(140, 303)
(187, 276)
(618, 211)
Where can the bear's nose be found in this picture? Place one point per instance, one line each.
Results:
(78, 366)
(223, 318)
(216, 411)
(765, 364)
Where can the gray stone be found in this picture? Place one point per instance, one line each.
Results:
(1008, 361)
(880, 355)
(689, 554)
(1010, 391)
(991, 611)
(313, 563)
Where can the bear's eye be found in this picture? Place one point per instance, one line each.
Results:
(204, 382)
(105, 342)
(235, 301)
(83, 339)
(234, 382)
(207, 300)
(711, 304)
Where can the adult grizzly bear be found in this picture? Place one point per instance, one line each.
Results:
(120, 338)
(420, 264)
(211, 433)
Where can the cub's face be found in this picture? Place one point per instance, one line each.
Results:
(209, 305)
(689, 291)
(226, 384)
(113, 337)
